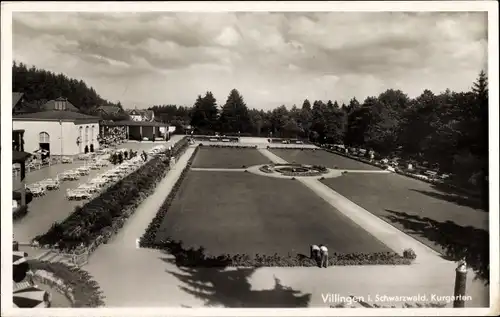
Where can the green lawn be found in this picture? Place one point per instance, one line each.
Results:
(244, 213)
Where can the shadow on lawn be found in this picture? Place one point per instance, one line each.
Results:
(229, 287)
(457, 242)
(458, 199)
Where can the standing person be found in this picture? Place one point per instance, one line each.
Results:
(314, 254)
(324, 255)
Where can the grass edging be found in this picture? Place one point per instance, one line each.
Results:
(147, 240)
(75, 284)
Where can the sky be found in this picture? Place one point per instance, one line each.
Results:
(150, 58)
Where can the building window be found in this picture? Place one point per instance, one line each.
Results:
(44, 137)
(60, 105)
(92, 135)
(86, 134)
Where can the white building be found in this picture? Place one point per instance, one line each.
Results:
(60, 132)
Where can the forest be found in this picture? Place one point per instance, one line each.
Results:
(40, 86)
(448, 130)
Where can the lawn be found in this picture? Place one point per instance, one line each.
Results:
(227, 158)
(321, 157)
(245, 213)
(449, 224)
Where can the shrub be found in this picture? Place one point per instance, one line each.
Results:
(87, 224)
(86, 149)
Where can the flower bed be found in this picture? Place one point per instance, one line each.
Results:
(265, 169)
(149, 237)
(232, 146)
(198, 258)
(75, 284)
(106, 214)
(298, 147)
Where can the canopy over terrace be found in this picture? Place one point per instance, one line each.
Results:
(138, 130)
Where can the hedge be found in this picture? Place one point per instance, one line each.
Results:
(76, 284)
(148, 238)
(106, 214)
(197, 258)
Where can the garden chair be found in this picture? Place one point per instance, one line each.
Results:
(73, 175)
(66, 160)
(37, 190)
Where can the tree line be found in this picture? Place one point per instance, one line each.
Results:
(448, 130)
(40, 86)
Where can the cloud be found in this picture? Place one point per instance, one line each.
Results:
(173, 57)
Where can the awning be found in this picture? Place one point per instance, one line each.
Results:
(19, 266)
(30, 297)
(20, 157)
(41, 151)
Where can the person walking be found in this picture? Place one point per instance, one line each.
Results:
(314, 254)
(324, 255)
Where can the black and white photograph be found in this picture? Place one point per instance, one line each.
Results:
(250, 155)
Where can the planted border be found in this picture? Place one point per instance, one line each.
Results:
(75, 284)
(229, 146)
(197, 258)
(106, 214)
(298, 147)
(148, 238)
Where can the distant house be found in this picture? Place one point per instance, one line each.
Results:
(141, 115)
(108, 110)
(18, 103)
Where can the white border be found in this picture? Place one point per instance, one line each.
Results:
(6, 136)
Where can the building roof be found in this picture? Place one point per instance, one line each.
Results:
(16, 97)
(55, 115)
(135, 123)
(109, 109)
(148, 114)
(51, 105)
